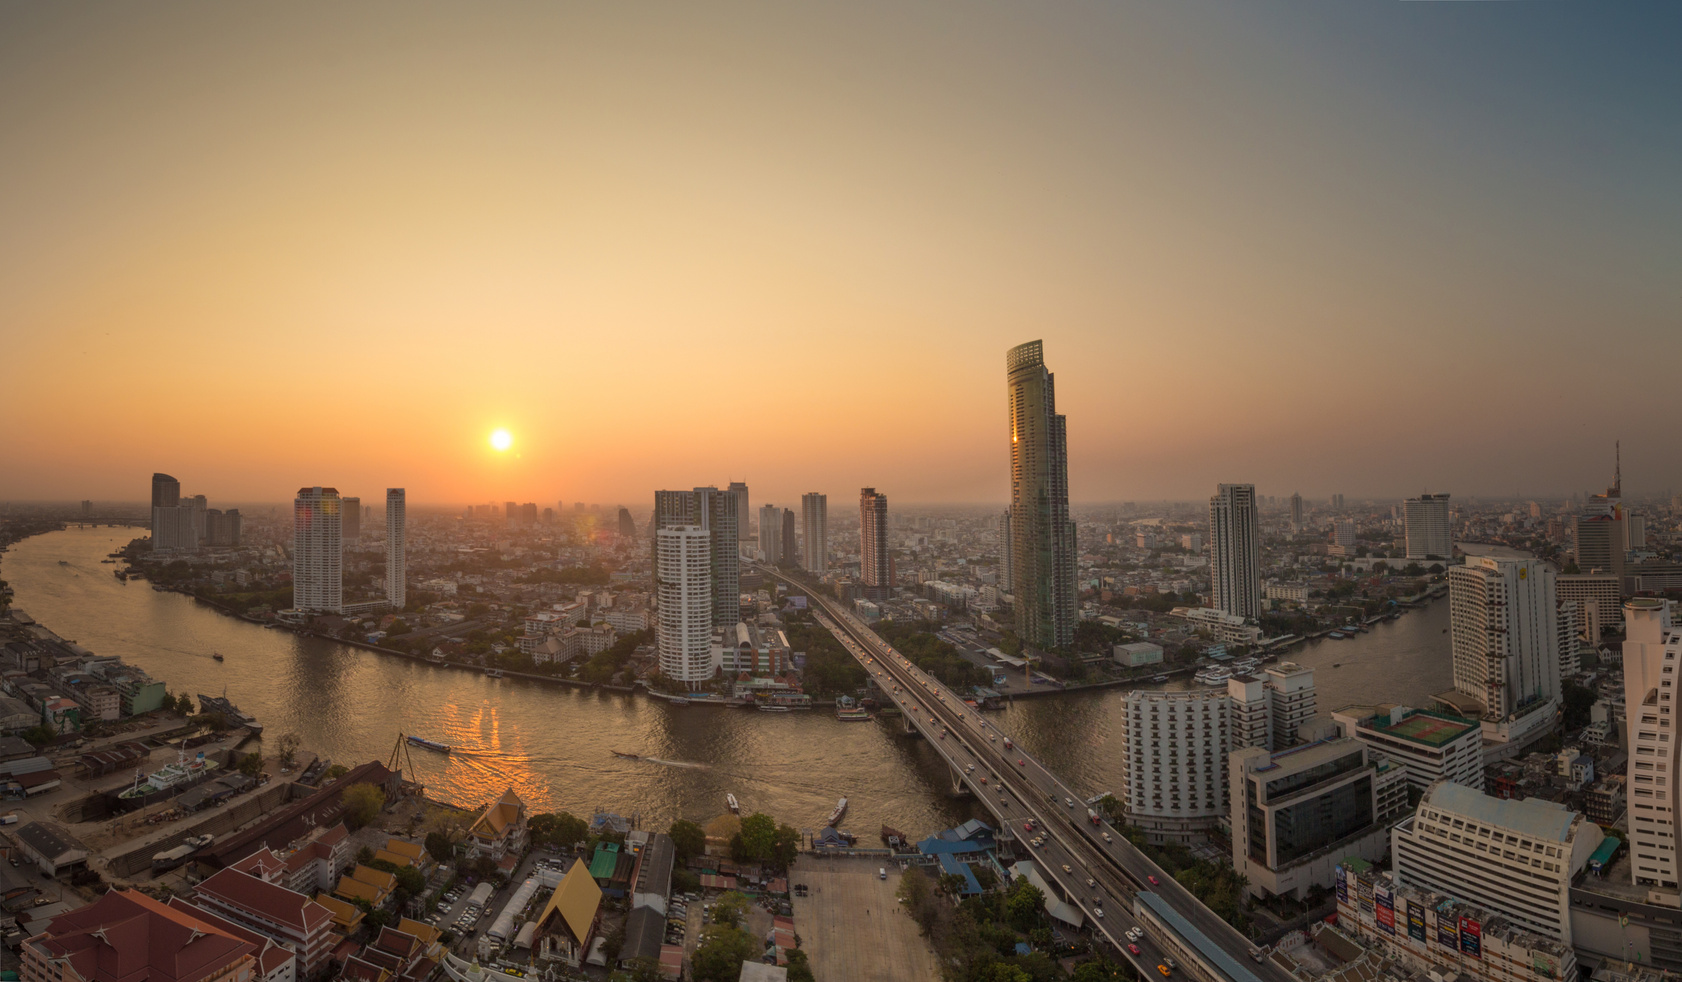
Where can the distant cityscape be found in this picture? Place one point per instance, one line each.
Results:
(1512, 826)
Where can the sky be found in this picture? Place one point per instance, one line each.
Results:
(1373, 249)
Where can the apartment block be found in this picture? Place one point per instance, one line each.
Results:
(1432, 746)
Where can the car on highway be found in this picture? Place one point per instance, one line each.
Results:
(1091, 882)
(1135, 933)
(1066, 868)
(1070, 802)
(1134, 949)
(1098, 912)
(1154, 881)
(1027, 826)
(1021, 763)
(1164, 970)
(1106, 837)
(984, 781)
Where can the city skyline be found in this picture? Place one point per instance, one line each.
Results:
(1149, 190)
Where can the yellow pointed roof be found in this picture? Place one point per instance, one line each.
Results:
(577, 899)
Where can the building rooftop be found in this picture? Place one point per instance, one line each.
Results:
(1534, 817)
(1429, 728)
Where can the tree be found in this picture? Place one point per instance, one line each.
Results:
(1023, 907)
(336, 771)
(557, 828)
(799, 968)
(688, 840)
(916, 895)
(613, 943)
(1100, 969)
(251, 765)
(184, 704)
(723, 950)
(1577, 699)
(731, 909)
(758, 835)
(440, 846)
(362, 803)
(785, 846)
(398, 627)
(287, 749)
(645, 969)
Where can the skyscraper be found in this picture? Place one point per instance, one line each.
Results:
(715, 513)
(1296, 512)
(396, 542)
(873, 544)
(771, 533)
(814, 528)
(1426, 527)
(351, 523)
(791, 554)
(1601, 534)
(317, 557)
(1042, 538)
(166, 491)
(1235, 550)
(1007, 563)
(740, 490)
(1504, 631)
(684, 590)
(1652, 651)
(627, 525)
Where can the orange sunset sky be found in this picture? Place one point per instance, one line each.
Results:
(1371, 249)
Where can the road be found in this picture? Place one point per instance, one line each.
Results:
(1095, 866)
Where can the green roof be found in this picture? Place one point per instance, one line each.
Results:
(1608, 846)
(1355, 864)
(1430, 728)
(605, 861)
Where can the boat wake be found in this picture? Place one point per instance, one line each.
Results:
(691, 765)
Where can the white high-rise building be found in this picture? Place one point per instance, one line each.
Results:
(1570, 631)
(317, 557)
(1343, 532)
(396, 592)
(1426, 527)
(771, 534)
(1448, 847)
(1504, 621)
(1291, 701)
(1251, 719)
(1652, 662)
(1175, 746)
(1235, 559)
(814, 532)
(684, 585)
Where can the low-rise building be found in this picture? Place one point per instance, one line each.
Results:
(1432, 746)
(569, 920)
(1443, 936)
(1138, 653)
(275, 912)
(1514, 857)
(125, 935)
(500, 829)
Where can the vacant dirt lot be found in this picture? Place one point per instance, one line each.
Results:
(851, 926)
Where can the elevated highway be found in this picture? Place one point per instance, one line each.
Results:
(1116, 886)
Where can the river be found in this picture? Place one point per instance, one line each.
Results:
(552, 744)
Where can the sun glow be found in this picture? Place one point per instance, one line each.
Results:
(501, 439)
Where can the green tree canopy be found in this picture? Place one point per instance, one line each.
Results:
(362, 804)
(688, 840)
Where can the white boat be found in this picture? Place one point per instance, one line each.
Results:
(183, 773)
(735, 806)
(1213, 676)
(835, 816)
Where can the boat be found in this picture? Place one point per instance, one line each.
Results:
(735, 806)
(621, 753)
(835, 816)
(183, 773)
(442, 748)
(775, 709)
(230, 712)
(1213, 676)
(1334, 636)
(169, 859)
(217, 655)
(1160, 678)
(849, 710)
(893, 838)
(678, 701)
(64, 562)
(493, 673)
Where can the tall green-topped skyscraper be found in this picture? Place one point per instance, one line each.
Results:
(1042, 537)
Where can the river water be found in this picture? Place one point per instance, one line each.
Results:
(552, 744)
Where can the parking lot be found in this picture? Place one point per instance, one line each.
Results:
(851, 925)
(466, 922)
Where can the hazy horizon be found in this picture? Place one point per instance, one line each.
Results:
(1314, 247)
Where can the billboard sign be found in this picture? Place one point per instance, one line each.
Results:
(1471, 937)
(1416, 921)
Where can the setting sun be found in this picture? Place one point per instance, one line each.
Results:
(501, 439)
